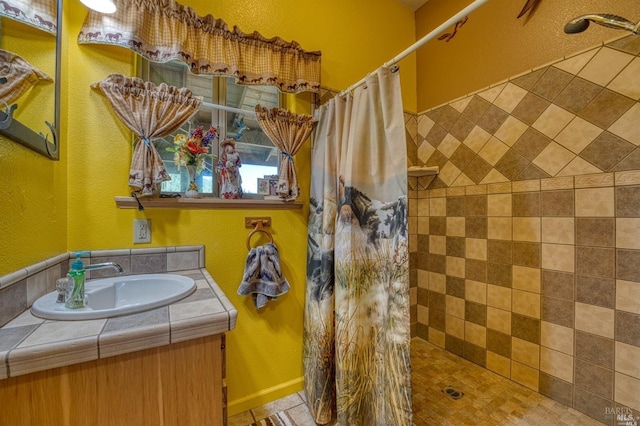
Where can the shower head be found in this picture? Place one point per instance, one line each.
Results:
(581, 23)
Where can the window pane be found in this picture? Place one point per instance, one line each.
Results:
(258, 155)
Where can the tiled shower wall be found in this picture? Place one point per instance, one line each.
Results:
(525, 249)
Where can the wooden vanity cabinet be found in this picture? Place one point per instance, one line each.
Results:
(181, 384)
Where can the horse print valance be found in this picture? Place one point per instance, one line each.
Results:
(163, 30)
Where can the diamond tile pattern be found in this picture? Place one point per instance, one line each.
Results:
(533, 230)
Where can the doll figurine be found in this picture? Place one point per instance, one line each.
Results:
(228, 169)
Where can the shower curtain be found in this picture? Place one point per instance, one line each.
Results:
(356, 325)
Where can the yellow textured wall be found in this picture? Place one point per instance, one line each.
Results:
(493, 45)
(264, 352)
(33, 205)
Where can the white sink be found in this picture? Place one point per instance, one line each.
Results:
(110, 297)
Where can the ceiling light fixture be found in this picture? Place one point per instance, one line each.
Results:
(102, 6)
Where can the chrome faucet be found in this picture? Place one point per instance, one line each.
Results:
(104, 265)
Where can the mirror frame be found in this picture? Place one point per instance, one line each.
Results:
(47, 145)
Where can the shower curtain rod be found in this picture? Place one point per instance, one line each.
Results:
(451, 21)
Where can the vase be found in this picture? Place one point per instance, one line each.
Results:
(192, 189)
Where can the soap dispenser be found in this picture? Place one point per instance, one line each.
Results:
(75, 300)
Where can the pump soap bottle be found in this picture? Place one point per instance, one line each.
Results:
(76, 299)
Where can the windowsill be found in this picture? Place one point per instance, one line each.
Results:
(205, 203)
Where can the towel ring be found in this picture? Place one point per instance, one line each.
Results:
(258, 228)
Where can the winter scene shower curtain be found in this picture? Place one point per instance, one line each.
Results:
(356, 344)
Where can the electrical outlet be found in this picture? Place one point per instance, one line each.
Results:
(141, 231)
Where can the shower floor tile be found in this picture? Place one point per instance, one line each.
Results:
(489, 399)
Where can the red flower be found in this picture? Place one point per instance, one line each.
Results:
(196, 149)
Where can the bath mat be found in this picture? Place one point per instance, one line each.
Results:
(281, 418)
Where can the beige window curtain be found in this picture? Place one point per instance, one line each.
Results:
(150, 111)
(163, 30)
(37, 13)
(287, 131)
(20, 75)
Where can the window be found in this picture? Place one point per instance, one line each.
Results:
(258, 155)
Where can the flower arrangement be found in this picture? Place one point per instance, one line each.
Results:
(194, 149)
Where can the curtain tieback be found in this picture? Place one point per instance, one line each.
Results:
(286, 154)
(146, 140)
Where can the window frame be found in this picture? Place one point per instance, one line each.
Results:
(218, 119)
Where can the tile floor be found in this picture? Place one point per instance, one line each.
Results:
(489, 399)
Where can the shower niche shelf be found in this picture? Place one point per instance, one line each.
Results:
(425, 175)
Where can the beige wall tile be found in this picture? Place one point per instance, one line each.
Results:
(438, 244)
(556, 183)
(499, 228)
(449, 173)
(510, 97)
(558, 257)
(626, 391)
(425, 124)
(448, 145)
(557, 364)
(499, 297)
(627, 359)
(499, 205)
(628, 233)
(629, 177)
(511, 130)
(553, 120)
(524, 375)
(525, 352)
(413, 296)
(557, 337)
(413, 242)
(455, 192)
(477, 138)
(494, 177)
(437, 193)
(605, 65)
(526, 303)
(627, 126)
(476, 190)
(423, 279)
(527, 279)
(476, 248)
(532, 185)
(476, 292)
(436, 337)
(413, 225)
(493, 151)
(413, 207)
(578, 166)
(575, 63)
(499, 319)
(437, 206)
(560, 230)
(475, 334)
(499, 364)
(554, 158)
(526, 229)
(628, 296)
(454, 306)
(595, 202)
(455, 266)
(437, 282)
(455, 227)
(423, 207)
(499, 188)
(627, 82)
(594, 319)
(578, 135)
(455, 326)
(595, 180)
(423, 315)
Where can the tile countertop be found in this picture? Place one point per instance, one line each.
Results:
(29, 344)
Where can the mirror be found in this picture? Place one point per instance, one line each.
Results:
(33, 118)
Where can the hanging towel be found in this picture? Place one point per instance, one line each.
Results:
(262, 278)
